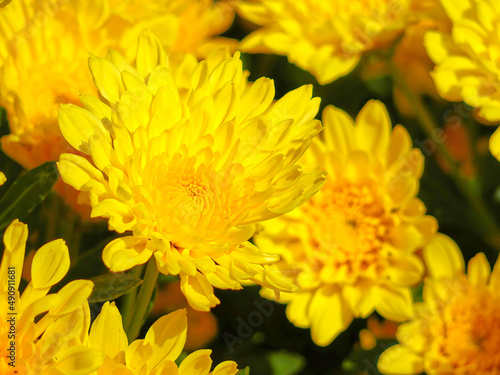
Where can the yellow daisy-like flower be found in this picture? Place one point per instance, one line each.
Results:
(189, 160)
(43, 333)
(326, 38)
(156, 353)
(467, 65)
(351, 248)
(44, 48)
(456, 329)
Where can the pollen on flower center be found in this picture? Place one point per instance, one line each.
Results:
(471, 329)
(351, 227)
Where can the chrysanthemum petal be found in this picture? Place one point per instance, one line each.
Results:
(443, 257)
(398, 360)
(329, 316)
(167, 336)
(106, 333)
(478, 270)
(126, 252)
(197, 363)
(50, 264)
(79, 360)
(394, 303)
(373, 127)
(107, 78)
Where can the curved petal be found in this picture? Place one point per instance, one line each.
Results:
(478, 270)
(443, 257)
(398, 360)
(199, 292)
(50, 264)
(106, 333)
(167, 336)
(126, 252)
(394, 303)
(197, 363)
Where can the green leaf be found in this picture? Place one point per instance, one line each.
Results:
(286, 363)
(245, 371)
(27, 192)
(110, 286)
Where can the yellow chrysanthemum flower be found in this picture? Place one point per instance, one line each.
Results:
(189, 160)
(326, 38)
(156, 353)
(456, 329)
(43, 333)
(467, 65)
(351, 248)
(44, 48)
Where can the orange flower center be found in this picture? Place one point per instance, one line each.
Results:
(469, 331)
(350, 227)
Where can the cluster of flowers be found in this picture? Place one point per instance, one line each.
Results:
(211, 178)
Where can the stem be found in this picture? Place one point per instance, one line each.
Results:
(138, 316)
(485, 220)
(129, 299)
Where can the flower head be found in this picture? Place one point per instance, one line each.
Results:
(467, 66)
(351, 248)
(44, 47)
(326, 38)
(189, 159)
(50, 330)
(156, 353)
(456, 329)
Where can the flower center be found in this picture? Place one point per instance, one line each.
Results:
(471, 330)
(350, 226)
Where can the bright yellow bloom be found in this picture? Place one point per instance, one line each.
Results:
(44, 46)
(467, 65)
(456, 329)
(351, 248)
(326, 38)
(189, 160)
(51, 330)
(156, 353)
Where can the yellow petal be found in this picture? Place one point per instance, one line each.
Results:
(107, 334)
(79, 360)
(125, 253)
(77, 126)
(443, 257)
(3, 179)
(495, 144)
(14, 240)
(167, 336)
(226, 368)
(50, 264)
(199, 292)
(297, 309)
(329, 316)
(197, 363)
(107, 78)
(150, 53)
(398, 360)
(77, 171)
(405, 269)
(394, 303)
(338, 130)
(373, 128)
(72, 296)
(478, 270)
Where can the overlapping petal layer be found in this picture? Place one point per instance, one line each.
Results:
(456, 329)
(187, 159)
(351, 248)
(43, 333)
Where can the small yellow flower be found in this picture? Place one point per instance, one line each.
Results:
(326, 38)
(44, 48)
(456, 329)
(351, 248)
(156, 353)
(188, 160)
(467, 65)
(42, 333)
